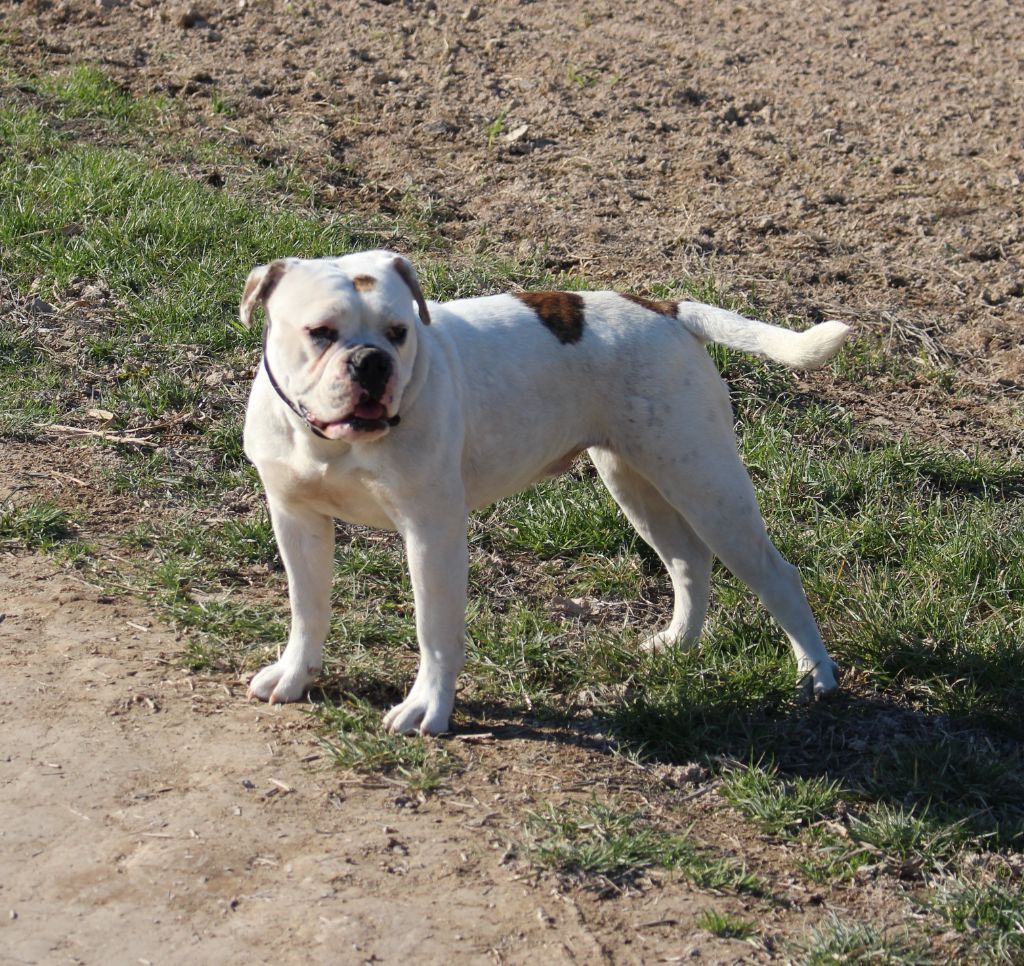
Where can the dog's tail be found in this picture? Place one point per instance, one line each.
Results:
(801, 350)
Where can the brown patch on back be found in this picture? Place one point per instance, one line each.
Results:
(364, 283)
(561, 312)
(661, 307)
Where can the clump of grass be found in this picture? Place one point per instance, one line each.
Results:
(777, 804)
(85, 91)
(38, 525)
(597, 840)
(909, 837)
(837, 943)
(831, 858)
(357, 740)
(724, 926)
(991, 915)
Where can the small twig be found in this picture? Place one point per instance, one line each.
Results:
(58, 428)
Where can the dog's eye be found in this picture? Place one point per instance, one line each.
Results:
(396, 334)
(323, 333)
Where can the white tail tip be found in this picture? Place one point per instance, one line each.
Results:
(813, 348)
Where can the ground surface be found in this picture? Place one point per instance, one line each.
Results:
(860, 160)
(862, 163)
(143, 802)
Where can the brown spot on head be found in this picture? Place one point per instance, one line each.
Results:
(661, 307)
(561, 312)
(364, 283)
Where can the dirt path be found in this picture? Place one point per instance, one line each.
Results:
(151, 815)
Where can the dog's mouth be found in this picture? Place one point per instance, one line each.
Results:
(368, 416)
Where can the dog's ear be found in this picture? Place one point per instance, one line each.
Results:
(404, 268)
(261, 282)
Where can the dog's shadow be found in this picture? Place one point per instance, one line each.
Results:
(950, 769)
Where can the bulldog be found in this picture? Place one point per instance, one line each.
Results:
(374, 406)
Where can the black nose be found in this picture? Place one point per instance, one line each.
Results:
(370, 368)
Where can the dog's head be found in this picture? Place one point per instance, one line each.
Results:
(342, 337)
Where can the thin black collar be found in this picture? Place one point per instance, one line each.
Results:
(290, 403)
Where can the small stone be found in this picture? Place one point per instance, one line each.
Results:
(471, 13)
(517, 134)
(439, 127)
(190, 17)
(986, 252)
(733, 116)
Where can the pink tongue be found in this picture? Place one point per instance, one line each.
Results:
(369, 410)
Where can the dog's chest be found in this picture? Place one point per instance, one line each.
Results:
(345, 492)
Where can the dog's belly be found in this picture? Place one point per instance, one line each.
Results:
(485, 488)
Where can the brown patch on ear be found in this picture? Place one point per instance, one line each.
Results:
(661, 307)
(405, 270)
(364, 283)
(561, 312)
(258, 287)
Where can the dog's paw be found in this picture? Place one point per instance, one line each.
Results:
(818, 682)
(279, 683)
(420, 714)
(666, 640)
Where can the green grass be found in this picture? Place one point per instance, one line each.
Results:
(776, 804)
(598, 841)
(356, 739)
(725, 926)
(838, 942)
(38, 525)
(990, 914)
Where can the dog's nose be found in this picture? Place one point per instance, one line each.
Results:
(370, 367)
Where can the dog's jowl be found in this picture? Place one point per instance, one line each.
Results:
(377, 407)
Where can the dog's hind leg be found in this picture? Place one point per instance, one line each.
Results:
(715, 496)
(685, 555)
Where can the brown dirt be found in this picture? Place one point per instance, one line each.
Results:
(862, 162)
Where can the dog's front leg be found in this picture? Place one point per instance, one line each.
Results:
(439, 569)
(306, 542)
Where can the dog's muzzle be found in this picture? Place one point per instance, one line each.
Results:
(370, 368)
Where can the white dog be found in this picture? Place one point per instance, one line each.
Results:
(379, 408)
